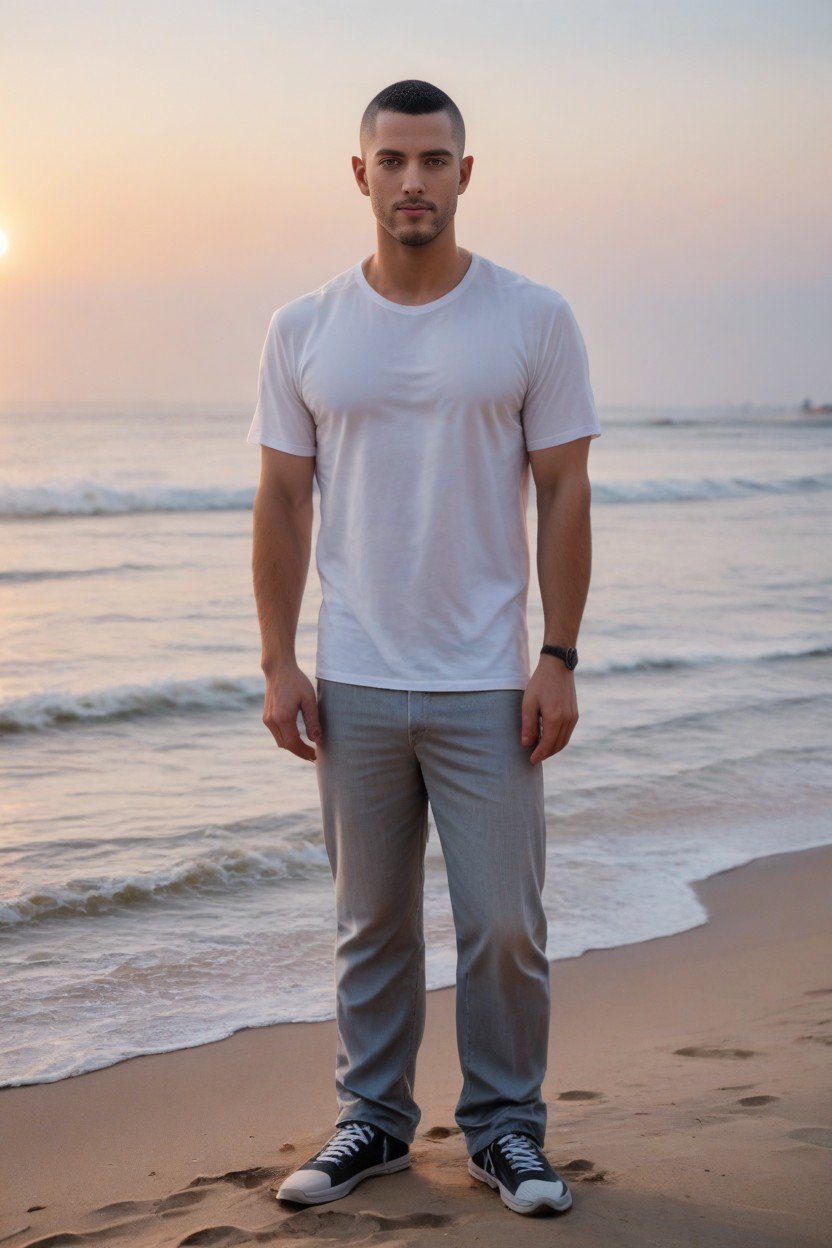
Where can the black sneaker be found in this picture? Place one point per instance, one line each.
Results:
(356, 1151)
(515, 1164)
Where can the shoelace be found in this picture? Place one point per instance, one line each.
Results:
(346, 1140)
(520, 1151)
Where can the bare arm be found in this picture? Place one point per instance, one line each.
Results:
(281, 545)
(564, 564)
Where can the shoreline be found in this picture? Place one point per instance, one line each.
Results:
(687, 1088)
(691, 884)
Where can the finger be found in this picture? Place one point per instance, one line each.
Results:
(560, 735)
(296, 745)
(567, 728)
(292, 740)
(271, 722)
(562, 732)
(544, 746)
(530, 723)
(311, 719)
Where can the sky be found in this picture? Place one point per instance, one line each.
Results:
(170, 173)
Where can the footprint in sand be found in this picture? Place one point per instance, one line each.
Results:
(130, 1208)
(817, 992)
(256, 1176)
(440, 1133)
(577, 1094)
(702, 1050)
(137, 1208)
(216, 1236)
(342, 1226)
(757, 1100)
(581, 1171)
(179, 1200)
(821, 1136)
(112, 1220)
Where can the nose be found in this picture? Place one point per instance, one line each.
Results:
(413, 182)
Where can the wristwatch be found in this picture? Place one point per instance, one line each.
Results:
(568, 653)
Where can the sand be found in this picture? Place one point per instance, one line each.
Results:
(688, 1092)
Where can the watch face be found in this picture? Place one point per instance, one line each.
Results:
(571, 658)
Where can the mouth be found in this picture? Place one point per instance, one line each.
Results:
(415, 211)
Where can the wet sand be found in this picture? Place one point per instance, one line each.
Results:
(689, 1095)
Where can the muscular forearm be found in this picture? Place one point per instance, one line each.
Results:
(564, 558)
(282, 540)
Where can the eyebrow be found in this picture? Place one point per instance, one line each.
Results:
(435, 151)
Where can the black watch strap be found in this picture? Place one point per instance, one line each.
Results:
(568, 653)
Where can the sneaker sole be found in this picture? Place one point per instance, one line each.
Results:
(519, 1206)
(287, 1192)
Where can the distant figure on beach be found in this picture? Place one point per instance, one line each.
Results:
(421, 386)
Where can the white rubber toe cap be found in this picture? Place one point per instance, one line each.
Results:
(305, 1183)
(541, 1189)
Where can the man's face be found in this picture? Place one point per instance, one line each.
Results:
(413, 160)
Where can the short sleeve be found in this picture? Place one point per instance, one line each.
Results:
(559, 404)
(281, 418)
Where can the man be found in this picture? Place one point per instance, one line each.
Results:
(419, 386)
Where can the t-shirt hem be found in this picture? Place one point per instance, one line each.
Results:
(556, 439)
(280, 444)
(425, 686)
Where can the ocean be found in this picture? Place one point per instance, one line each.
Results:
(163, 879)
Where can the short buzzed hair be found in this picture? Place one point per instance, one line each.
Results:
(413, 96)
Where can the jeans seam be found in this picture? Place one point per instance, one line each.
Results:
(467, 1029)
(417, 967)
(417, 733)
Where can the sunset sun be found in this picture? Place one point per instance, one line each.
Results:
(4, 243)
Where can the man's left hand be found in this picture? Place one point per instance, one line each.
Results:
(550, 696)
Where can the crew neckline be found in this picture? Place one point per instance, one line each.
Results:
(416, 309)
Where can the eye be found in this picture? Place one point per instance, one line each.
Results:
(433, 160)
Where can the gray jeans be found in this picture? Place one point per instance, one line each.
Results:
(386, 754)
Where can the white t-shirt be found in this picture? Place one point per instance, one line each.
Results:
(421, 417)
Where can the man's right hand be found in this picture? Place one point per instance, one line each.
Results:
(288, 691)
